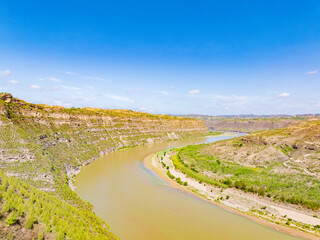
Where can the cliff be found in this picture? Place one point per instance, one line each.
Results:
(38, 141)
(43, 146)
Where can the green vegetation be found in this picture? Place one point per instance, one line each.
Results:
(41, 145)
(179, 164)
(20, 201)
(170, 175)
(215, 133)
(12, 218)
(295, 188)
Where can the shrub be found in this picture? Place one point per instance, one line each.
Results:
(170, 175)
(179, 180)
(31, 219)
(227, 182)
(240, 185)
(185, 184)
(40, 236)
(12, 219)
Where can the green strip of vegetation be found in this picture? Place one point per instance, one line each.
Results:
(178, 163)
(215, 133)
(297, 188)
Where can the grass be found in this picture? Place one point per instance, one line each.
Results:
(292, 188)
(214, 133)
(191, 173)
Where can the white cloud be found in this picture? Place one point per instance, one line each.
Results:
(70, 73)
(134, 90)
(70, 88)
(37, 87)
(90, 87)
(192, 92)
(13, 82)
(284, 95)
(86, 77)
(312, 72)
(94, 78)
(55, 88)
(53, 79)
(164, 92)
(119, 98)
(5, 73)
(58, 102)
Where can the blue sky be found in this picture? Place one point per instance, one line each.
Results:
(179, 57)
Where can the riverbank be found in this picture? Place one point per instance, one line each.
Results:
(281, 217)
(72, 172)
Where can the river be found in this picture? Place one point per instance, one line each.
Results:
(137, 204)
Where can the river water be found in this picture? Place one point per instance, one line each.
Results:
(137, 204)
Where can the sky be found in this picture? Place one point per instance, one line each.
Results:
(165, 57)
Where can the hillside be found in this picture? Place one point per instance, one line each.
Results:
(274, 174)
(45, 146)
(251, 123)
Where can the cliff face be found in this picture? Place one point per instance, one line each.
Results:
(41, 143)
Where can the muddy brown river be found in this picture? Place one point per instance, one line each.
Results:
(137, 204)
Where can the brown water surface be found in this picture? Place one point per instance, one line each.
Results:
(137, 204)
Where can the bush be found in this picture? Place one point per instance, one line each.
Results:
(12, 219)
(179, 180)
(30, 221)
(240, 185)
(227, 182)
(170, 175)
(40, 236)
(185, 184)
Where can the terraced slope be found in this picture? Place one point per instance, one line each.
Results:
(45, 146)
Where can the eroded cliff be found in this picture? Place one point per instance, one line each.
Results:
(38, 141)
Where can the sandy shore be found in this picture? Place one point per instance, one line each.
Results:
(259, 209)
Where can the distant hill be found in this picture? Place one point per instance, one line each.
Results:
(251, 123)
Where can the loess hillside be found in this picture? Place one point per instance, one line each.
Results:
(281, 164)
(44, 146)
(253, 123)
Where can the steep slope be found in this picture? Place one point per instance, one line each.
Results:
(44, 146)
